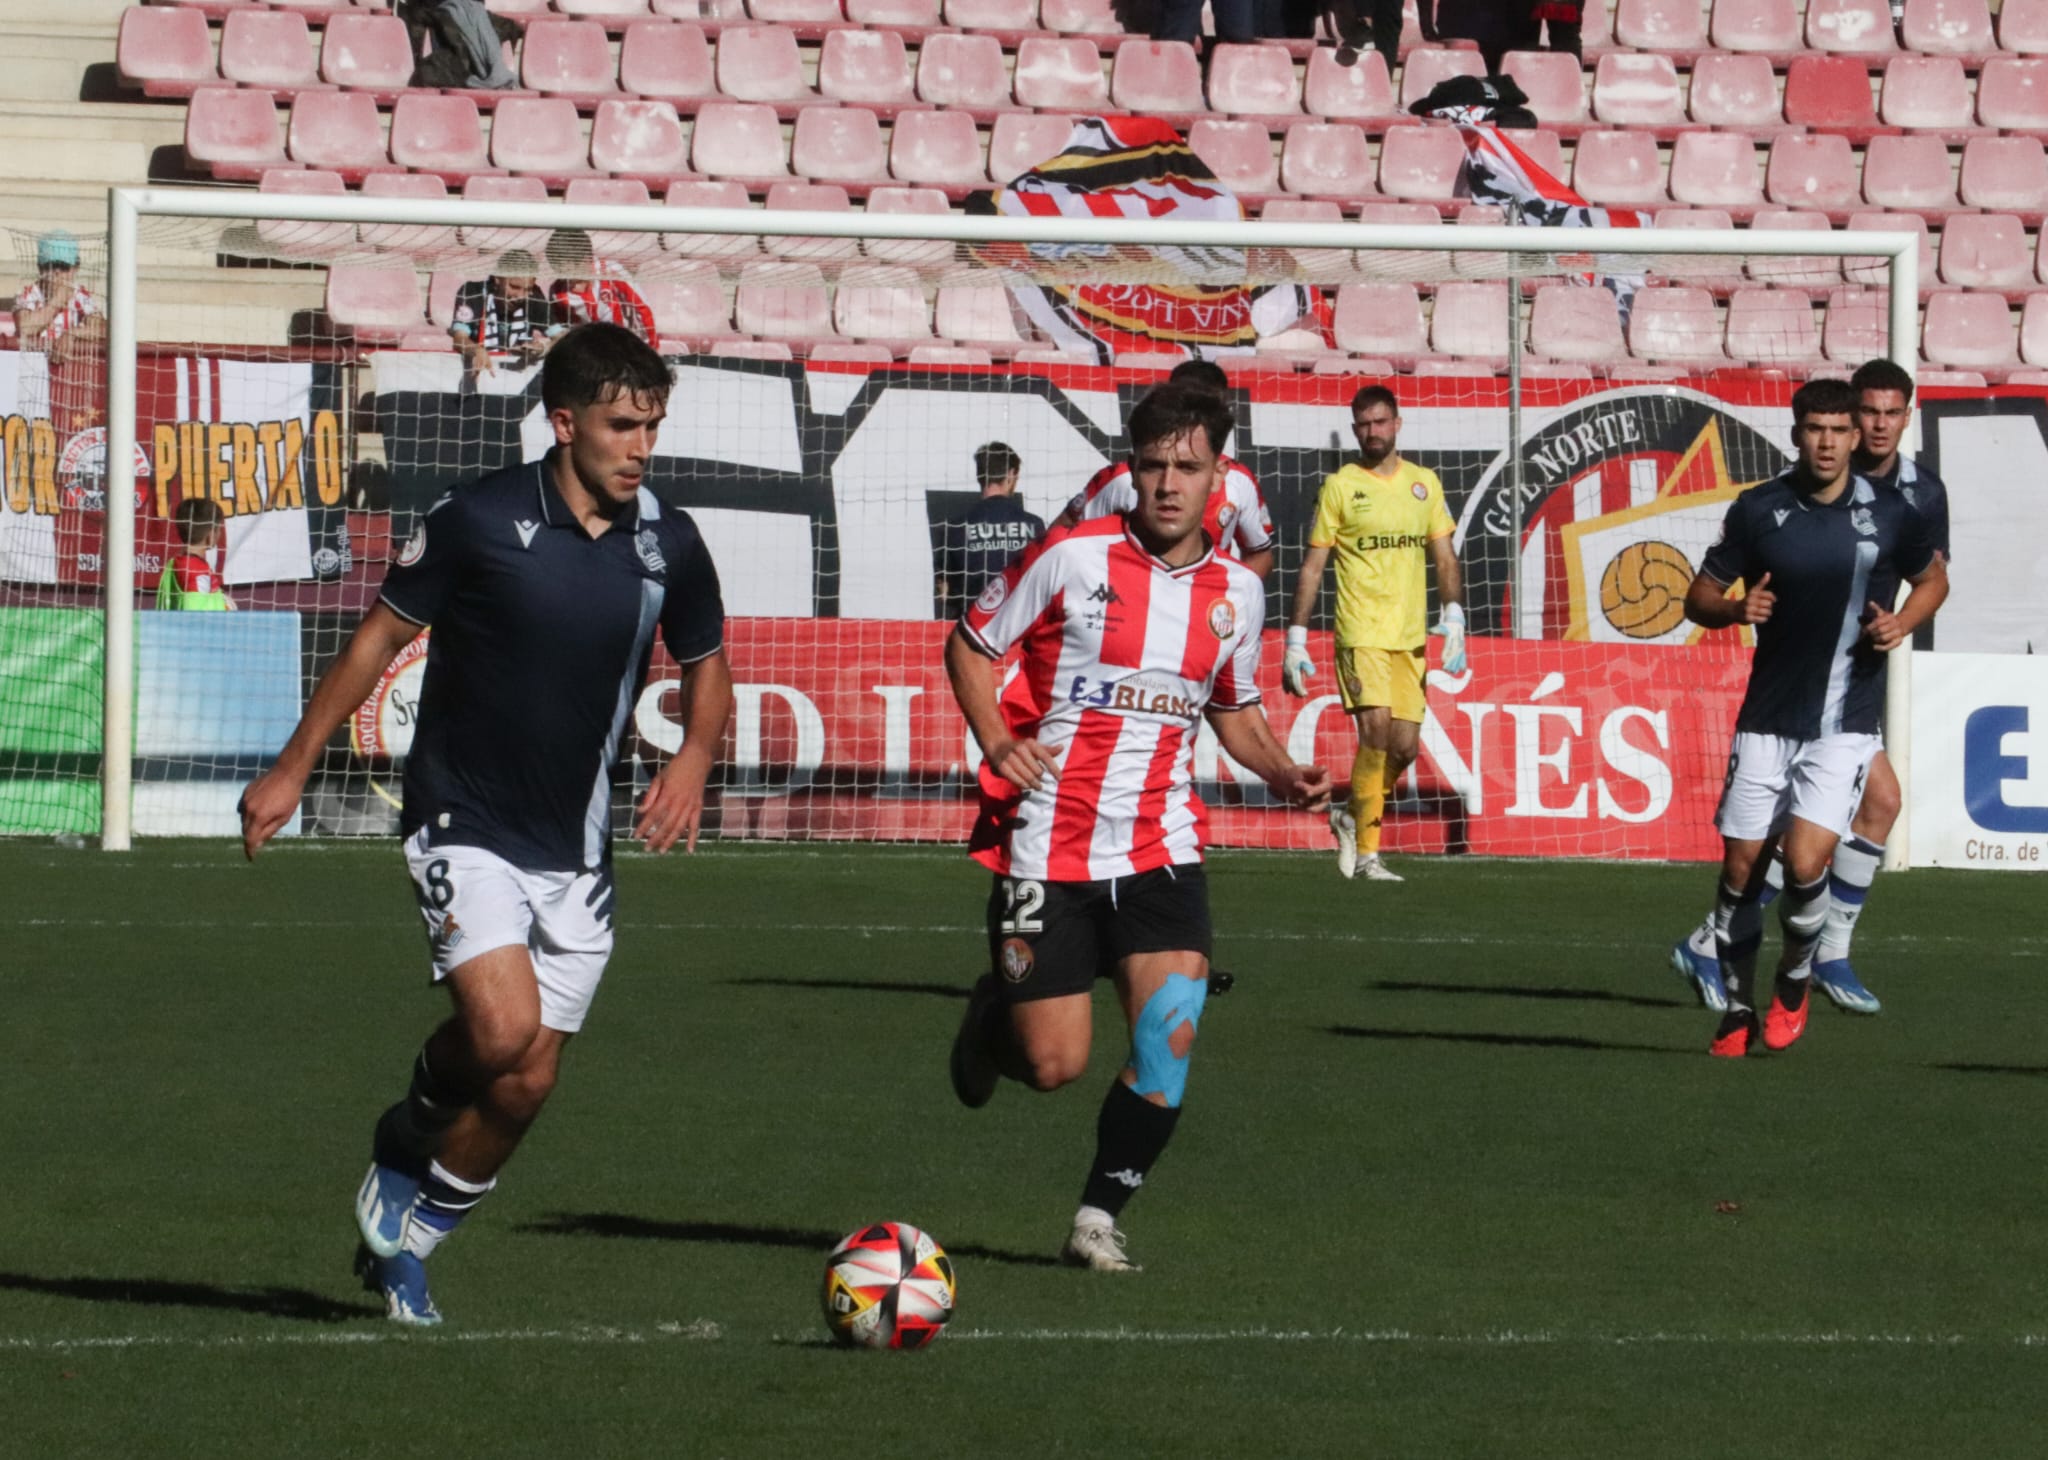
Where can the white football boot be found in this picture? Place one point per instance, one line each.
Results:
(1345, 830)
(1098, 1247)
(1372, 869)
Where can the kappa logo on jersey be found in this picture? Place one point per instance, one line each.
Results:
(1222, 618)
(649, 548)
(1103, 593)
(992, 596)
(1098, 618)
(415, 549)
(1862, 521)
(526, 530)
(1127, 1177)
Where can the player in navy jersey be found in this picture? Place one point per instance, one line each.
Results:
(1884, 407)
(544, 585)
(978, 543)
(1819, 554)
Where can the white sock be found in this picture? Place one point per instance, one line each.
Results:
(1089, 1216)
(1849, 879)
(1701, 939)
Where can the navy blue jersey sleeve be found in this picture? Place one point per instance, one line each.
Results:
(692, 611)
(1731, 557)
(1929, 496)
(423, 574)
(1916, 546)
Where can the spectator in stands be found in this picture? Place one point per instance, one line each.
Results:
(1564, 18)
(56, 312)
(1495, 26)
(590, 288)
(503, 317)
(466, 51)
(1238, 21)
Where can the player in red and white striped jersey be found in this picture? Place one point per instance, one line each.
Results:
(1131, 630)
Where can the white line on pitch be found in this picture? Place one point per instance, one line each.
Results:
(1493, 1338)
(698, 1330)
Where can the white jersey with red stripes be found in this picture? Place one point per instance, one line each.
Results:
(1235, 514)
(1120, 655)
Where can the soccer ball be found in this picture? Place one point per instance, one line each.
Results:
(888, 1286)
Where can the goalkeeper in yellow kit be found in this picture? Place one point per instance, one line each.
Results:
(1381, 516)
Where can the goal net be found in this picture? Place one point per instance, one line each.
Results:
(836, 374)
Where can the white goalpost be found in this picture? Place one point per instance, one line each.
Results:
(859, 561)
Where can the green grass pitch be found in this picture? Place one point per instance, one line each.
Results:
(1456, 1178)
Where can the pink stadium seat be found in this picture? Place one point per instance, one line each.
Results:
(1735, 91)
(894, 199)
(805, 197)
(497, 188)
(1855, 27)
(1426, 67)
(1060, 73)
(1908, 172)
(947, 355)
(977, 316)
(1380, 319)
(2012, 93)
(1325, 262)
(1772, 327)
(439, 134)
(267, 48)
(690, 307)
(796, 12)
(164, 49)
(1555, 85)
(1967, 331)
(1159, 77)
(1409, 215)
(1715, 170)
(897, 15)
(783, 302)
(865, 68)
(663, 61)
(1927, 92)
(1545, 148)
(1470, 321)
(1697, 268)
(304, 239)
(882, 303)
(1619, 169)
(761, 63)
(419, 240)
(1328, 159)
(1872, 270)
(1986, 251)
(938, 148)
(1080, 17)
(2023, 27)
(516, 7)
(1574, 322)
(375, 300)
(1020, 141)
(1660, 25)
(1856, 327)
(963, 71)
(707, 194)
(738, 139)
(638, 138)
(1357, 92)
(368, 51)
(1948, 27)
(1421, 162)
(1637, 91)
(607, 9)
(567, 58)
(1755, 25)
(764, 350)
(1676, 323)
(1253, 81)
(1814, 170)
(2034, 330)
(1828, 91)
(538, 134)
(1017, 15)
(1239, 153)
(622, 245)
(339, 131)
(1801, 270)
(2005, 174)
(233, 133)
(839, 144)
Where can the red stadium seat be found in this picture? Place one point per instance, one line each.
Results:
(2023, 27)
(621, 245)
(1380, 319)
(1772, 327)
(1325, 262)
(164, 49)
(783, 302)
(1660, 25)
(1676, 323)
(1553, 82)
(1578, 323)
(963, 71)
(1470, 321)
(1948, 27)
(1358, 92)
(761, 63)
(897, 15)
(1801, 270)
(895, 199)
(1986, 251)
(1814, 170)
(1637, 91)
(1908, 172)
(304, 240)
(379, 301)
(1239, 153)
(366, 51)
(1755, 25)
(865, 68)
(1158, 77)
(663, 61)
(1327, 159)
(2034, 330)
(609, 9)
(796, 12)
(977, 316)
(540, 135)
(1015, 15)
(1926, 92)
(1735, 91)
(1020, 141)
(805, 197)
(233, 133)
(1254, 81)
(1854, 27)
(1715, 170)
(1407, 215)
(1060, 73)
(1967, 331)
(339, 131)
(2005, 174)
(422, 241)
(1618, 169)
(1829, 91)
(883, 304)
(497, 188)
(2010, 93)
(738, 139)
(1698, 268)
(947, 355)
(1080, 17)
(439, 134)
(1421, 162)
(689, 307)
(267, 48)
(1873, 270)
(938, 148)
(709, 194)
(839, 144)
(766, 350)
(567, 58)
(1426, 68)
(638, 138)
(1857, 326)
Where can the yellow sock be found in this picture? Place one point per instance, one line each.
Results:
(1368, 797)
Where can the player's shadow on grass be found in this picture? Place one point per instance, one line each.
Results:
(1965, 1068)
(618, 1224)
(1523, 991)
(857, 985)
(294, 1303)
(1510, 1041)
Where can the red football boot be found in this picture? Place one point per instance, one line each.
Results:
(1738, 1029)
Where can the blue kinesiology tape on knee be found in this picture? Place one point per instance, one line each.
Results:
(1160, 1071)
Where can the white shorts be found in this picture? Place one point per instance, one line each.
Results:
(1772, 778)
(474, 901)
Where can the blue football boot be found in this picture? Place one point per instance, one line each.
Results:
(402, 1282)
(389, 1190)
(1838, 981)
(1702, 972)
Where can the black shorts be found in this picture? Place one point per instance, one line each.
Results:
(1048, 939)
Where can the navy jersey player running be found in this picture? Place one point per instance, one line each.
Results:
(544, 585)
(1884, 408)
(1819, 553)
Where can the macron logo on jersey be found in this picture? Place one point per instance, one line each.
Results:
(1781, 514)
(526, 530)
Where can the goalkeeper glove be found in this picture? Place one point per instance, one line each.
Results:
(1451, 624)
(1295, 665)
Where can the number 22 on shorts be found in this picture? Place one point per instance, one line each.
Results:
(1022, 901)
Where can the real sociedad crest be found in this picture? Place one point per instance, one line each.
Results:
(649, 548)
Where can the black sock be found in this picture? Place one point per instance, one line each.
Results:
(430, 1106)
(1130, 1134)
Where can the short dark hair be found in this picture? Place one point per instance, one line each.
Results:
(1171, 410)
(1202, 375)
(569, 252)
(195, 516)
(1374, 395)
(592, 361)
(1823, 398)
(995, 461)
(1882, 374)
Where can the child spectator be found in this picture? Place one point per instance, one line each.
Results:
(192, 579)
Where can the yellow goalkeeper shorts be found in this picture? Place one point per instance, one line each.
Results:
(1390, 677)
